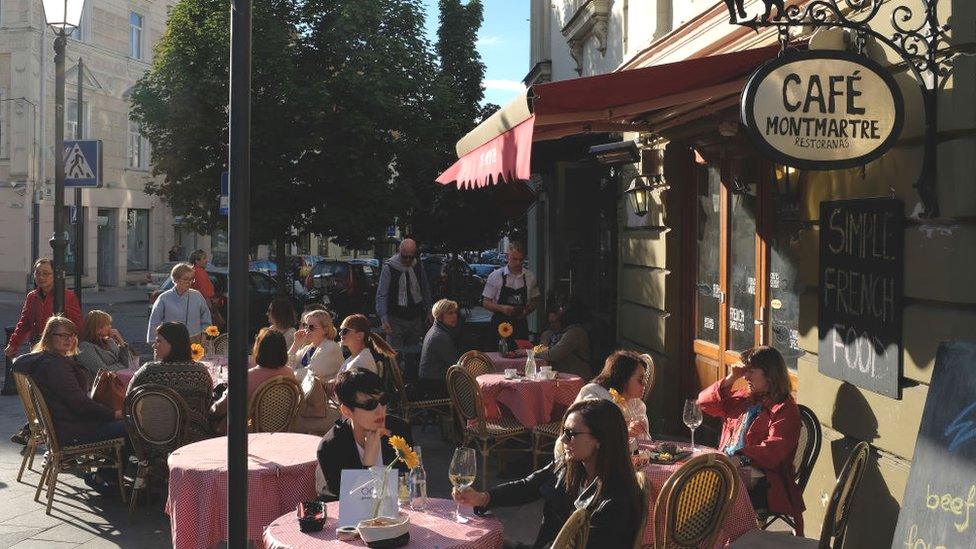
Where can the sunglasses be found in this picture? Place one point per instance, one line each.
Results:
(309, 327)
(372, 403)
(345, 331)
(569, 434)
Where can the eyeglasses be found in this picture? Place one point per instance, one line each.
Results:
(345, 331)
(65, 335)
(569, 434)
(309, 327)
(372, 403)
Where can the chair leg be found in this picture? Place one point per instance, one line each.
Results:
(136, 487)
(52, 482)
(45, 472)
(120, 467)
(28, 457)
(30, 462)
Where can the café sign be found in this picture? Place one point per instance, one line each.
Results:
(822, 110)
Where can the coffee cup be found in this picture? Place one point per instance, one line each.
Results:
(510, 373)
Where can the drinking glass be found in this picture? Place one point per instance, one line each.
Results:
(692, 418)
(462, 472)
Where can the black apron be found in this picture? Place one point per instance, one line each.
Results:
(515, 298)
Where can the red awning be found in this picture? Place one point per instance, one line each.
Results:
(614, 102)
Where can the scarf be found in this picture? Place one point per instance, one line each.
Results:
(738, 442)
(406, 282)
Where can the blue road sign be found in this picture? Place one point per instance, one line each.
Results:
(224, 193)
(83, 163)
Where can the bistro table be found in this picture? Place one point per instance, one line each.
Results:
(531, 401)
(741, 517)
(501, 363)
(280, 474)
(434, 528)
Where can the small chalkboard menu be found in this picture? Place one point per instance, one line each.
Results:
(861, 276)
(939, 507)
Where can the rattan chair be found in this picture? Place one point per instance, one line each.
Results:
(544, 437)
(155, 417)
(575, 531)
(81, 457)
(834, 526)
(645, 494)
(274, 405)
(694, 502)
(410, 409)
(807, 450)
(650, 375)
(220, 344)
(477, 363)
(470, 410)
(36, 436)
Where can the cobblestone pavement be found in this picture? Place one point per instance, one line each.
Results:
(81, 518)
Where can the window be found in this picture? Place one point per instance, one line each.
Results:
(137, 153)
(137, 223)
(71, 119)
(135, 35)
(82, 32)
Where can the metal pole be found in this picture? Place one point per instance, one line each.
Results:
(79, 218)
(239, 165)
(58, 243)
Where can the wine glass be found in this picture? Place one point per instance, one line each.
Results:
(692, 418)
(462, 472)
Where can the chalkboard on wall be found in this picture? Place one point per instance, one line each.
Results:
(861, 277)
(939, 507)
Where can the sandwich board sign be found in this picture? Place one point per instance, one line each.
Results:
(83, 163)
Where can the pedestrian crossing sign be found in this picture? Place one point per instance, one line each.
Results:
(83, 163)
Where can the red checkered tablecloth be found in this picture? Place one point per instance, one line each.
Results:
(281, 474)
(531, 402)
(431, 529)
(741, 518)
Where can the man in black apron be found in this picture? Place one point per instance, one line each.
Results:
(517, 296)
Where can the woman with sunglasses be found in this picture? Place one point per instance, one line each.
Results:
(357, 336)
(314, 349)
(77, 418)
(595, 472)
(361, 438)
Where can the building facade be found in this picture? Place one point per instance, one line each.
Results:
(728, 255)
(126, 233)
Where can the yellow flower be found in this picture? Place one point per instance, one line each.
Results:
(404, 452)
(505, 329)
(617, 398)
(212, 331)
(196, 351)
(540, 349)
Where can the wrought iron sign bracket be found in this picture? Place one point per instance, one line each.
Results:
(920, 40)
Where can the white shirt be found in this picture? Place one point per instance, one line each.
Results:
(325, 361)
(363, 360)
(493, 286)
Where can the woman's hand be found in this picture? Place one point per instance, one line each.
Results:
(737, 371)
(371, 445)
(301, 338)
(470, 496)
(117, 336)
(636, 429)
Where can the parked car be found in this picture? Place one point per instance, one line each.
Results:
(265, 266)
(483, 269)
(349, 285)
(261, 290)
(467, 288)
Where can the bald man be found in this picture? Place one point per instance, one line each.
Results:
(403, 300)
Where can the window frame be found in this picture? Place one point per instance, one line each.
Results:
(141, 143)
(85, 115)
(148, 235)
(141, 42)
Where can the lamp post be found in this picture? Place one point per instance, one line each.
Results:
(63, 16)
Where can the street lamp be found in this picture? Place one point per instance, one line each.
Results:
(63, 16)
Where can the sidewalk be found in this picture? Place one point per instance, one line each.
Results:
(90, 297)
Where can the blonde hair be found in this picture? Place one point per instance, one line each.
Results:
(48, 334)
(179, 270)
(325, 319)
(442, 307)
(94, 321)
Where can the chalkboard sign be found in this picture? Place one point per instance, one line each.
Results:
(939, 507)
(861, 276)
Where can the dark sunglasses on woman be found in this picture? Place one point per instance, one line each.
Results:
(372, 403)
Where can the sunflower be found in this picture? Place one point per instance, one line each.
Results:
(505, 329)
(404, 452)
(196, 351)
(618, 399)
(212, 331)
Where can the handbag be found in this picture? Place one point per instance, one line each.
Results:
(108, 389)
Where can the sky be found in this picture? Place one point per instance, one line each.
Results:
(503, 43)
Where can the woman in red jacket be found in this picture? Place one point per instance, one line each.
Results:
(762, 428)
(39, 306)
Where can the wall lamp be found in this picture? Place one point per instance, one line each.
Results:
(641, 186)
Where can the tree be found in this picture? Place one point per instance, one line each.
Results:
(181, 105)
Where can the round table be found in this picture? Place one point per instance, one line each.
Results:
(431, 529)
(531, 401)
(502, 363)
(741, 517)
(281, 474)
